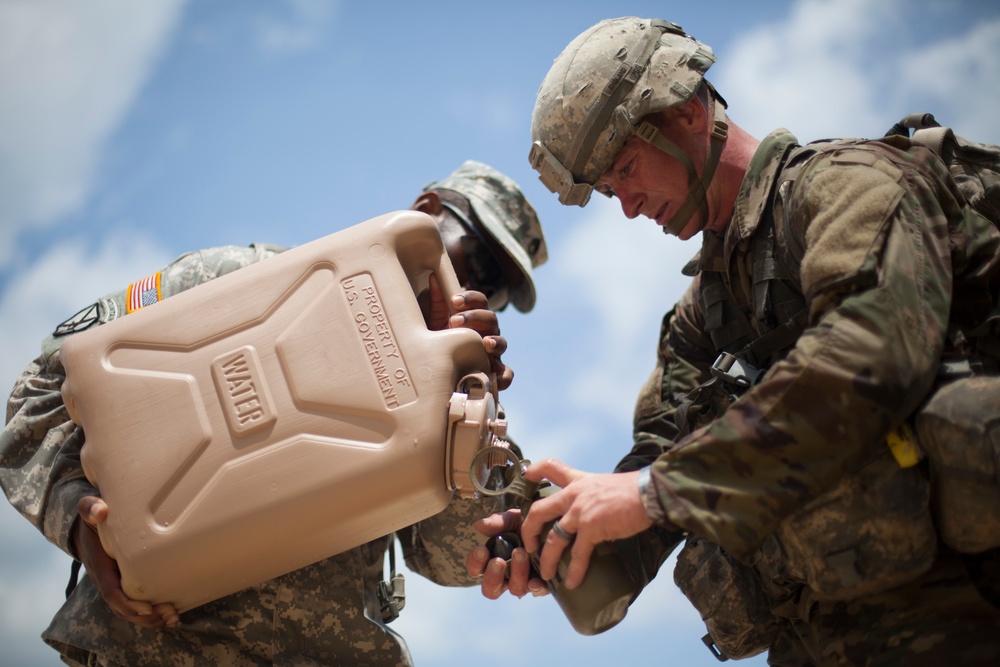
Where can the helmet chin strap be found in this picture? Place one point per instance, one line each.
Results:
(697, 187)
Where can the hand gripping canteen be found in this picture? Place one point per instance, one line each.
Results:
(601, 600)
(279, 414)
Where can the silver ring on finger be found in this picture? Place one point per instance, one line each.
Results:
(561, 532)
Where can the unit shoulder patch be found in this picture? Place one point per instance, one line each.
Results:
(84, 319)
(99, 312)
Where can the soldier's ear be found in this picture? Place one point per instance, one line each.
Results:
(428, 202)
(691, 115)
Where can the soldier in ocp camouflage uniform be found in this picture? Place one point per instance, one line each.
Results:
(852, 276)
(328, 613)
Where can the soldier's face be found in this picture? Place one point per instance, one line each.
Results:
(477, 266)
(650, 183)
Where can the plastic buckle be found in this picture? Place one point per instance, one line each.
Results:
(391, 597)
(952, 370)
(647, 131)
(557, 178)
(710, 643)
(720, 130)
(735, 372)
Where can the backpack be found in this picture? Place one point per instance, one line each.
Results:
(955, 426)
(974, 166)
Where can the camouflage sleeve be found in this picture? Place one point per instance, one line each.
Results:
(40, 453)
(671, 404)
(40, 469)
(436, 548)
(877, 275)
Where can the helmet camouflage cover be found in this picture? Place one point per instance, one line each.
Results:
(599, 89)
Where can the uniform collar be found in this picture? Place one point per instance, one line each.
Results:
(758, 183)
(751, 202)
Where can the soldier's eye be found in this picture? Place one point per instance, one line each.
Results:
(605, 189)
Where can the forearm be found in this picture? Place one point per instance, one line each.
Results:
(436, 548)
(40, 454)
(643, 554)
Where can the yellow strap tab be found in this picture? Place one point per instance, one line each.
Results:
(904, 446)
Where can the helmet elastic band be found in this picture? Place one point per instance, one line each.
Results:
(697, 187)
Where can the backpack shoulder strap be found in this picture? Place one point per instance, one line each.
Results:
(934, 138)
(974, 166)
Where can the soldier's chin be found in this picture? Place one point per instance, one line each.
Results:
(692, 227)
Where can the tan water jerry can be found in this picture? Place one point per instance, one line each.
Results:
(280, 414)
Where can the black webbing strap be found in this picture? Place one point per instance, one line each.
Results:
(776, 339)
(74, 577)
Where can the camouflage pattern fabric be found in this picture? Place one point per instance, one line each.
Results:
(892, 262)
(323, 614)
(507, 216)
(959, 429)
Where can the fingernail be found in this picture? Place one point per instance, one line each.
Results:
(490, 342)
(481, 553)
(456, 320)
(519, 556)
(458, 300)
(143, 613)
(496, 566)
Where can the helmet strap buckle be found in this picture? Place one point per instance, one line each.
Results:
(647, 132)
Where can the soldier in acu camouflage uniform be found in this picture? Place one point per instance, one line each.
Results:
(839, 286)
(328, 613)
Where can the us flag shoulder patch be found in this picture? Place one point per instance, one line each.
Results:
(143, 293)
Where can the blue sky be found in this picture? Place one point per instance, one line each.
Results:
(131, 132)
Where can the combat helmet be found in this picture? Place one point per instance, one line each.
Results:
(508, 219)
(600, 88)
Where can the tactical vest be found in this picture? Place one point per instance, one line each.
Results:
(885, 535)
(777, 316)
(871, 532)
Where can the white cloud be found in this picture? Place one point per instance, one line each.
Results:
(301, 32)
(627, 273)
(849, 68)
(956, 79)
(69, 72)
(623, 267)
(801, 73)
